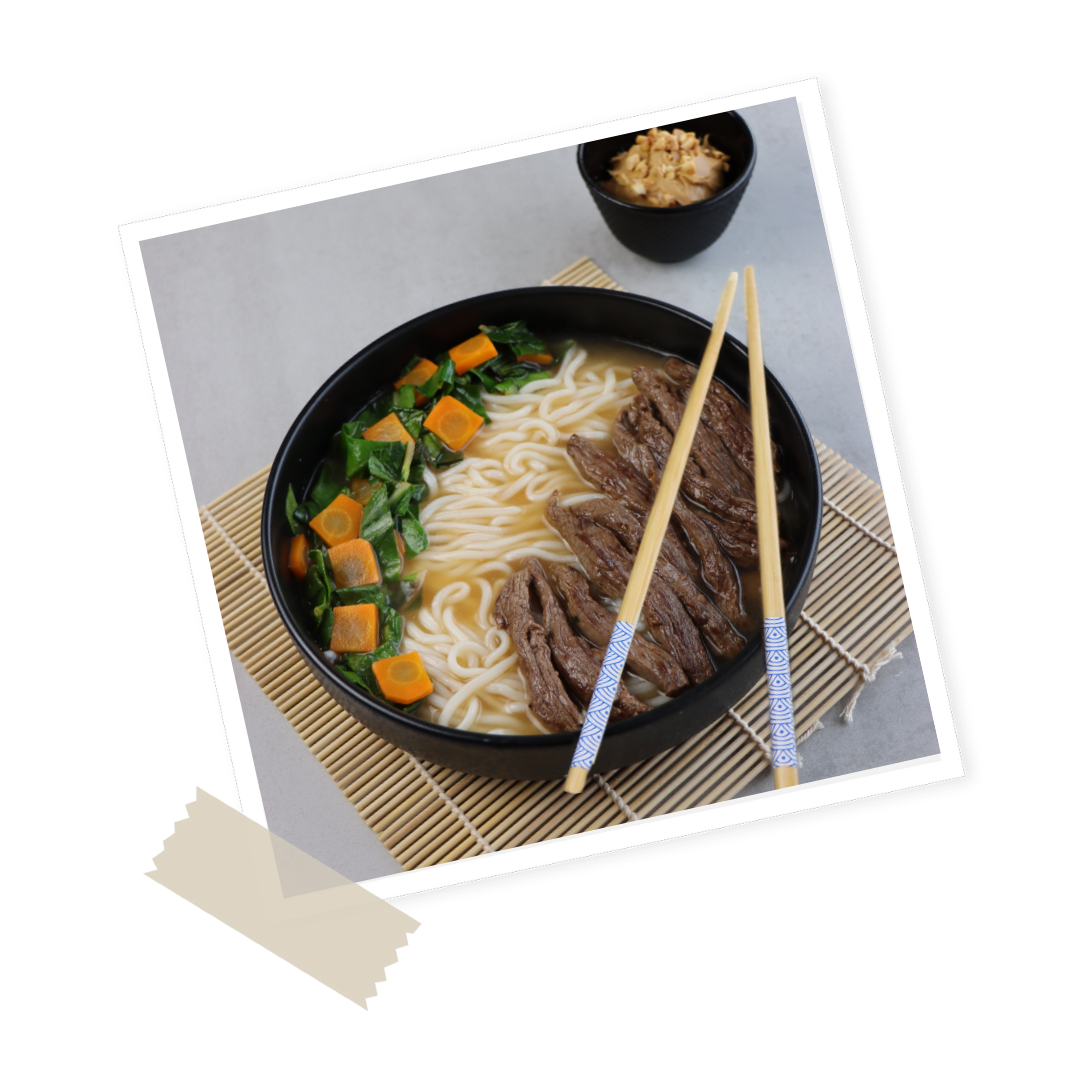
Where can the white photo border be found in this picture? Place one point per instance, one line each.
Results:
(945, 765)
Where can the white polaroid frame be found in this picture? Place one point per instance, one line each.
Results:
(945, 765)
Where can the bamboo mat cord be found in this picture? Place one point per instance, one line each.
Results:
(426, 814)
(862, 528)
(462, 816)
(232, 543)
(758, 741)
(615, 797)
(867, 674)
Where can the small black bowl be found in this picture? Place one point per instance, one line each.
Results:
(548, 311)
(672, 233)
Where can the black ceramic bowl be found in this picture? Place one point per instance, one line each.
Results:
(672, 233)
(549, 311)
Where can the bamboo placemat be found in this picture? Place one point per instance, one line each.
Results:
(425, 814)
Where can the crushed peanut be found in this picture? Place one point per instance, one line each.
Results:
(667, 168)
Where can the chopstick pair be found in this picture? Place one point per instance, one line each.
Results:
(774, 632)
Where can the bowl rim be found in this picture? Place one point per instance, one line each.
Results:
(326, 671)
(599, 192)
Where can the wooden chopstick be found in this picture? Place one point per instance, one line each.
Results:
(785, 759)
(607, 683)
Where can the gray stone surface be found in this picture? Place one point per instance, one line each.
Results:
(255, 314)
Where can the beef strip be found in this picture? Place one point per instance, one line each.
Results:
(592, 619)
(608, 565)
(623, 523)
(716, 569)
(608, 474)
(707, 449)
(738, 540)
(719, 634)
(577, 661)
(725, 414)
(547, 695)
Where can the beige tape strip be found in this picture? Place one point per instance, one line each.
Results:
(233, 868)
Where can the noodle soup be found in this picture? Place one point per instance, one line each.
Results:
(485, 515)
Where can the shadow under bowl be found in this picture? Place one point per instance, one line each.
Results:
(670, 234)
(548, 311)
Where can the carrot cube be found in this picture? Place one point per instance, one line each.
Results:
(472, 353)
(402, 679)
(417, 377)
(356, 628)
(453, 422)
(388, 429)
(339, 522)
(354, 563)
(298, 556)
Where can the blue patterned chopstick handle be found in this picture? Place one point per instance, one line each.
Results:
(607, 686)
(781, 709)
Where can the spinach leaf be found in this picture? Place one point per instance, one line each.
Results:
(361, 594)
(357, 452)
(414, 535)
(444, 374)
(482, 374)
(559, 352)
(400, 495)
(326, 488)
(513, 385)
(365, 680)
(317, 584)
(438, 455)
(326, 628)
(412, 419)
(517, 336)
(377, 506)
(385, 462)
(405, 397)
(393, 629)
(408, 593)
(468, 393)
(385, 544)
(416, 476)
(290, 509)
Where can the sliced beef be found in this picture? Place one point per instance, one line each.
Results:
(725, 414)
(577, 661)
(608, 565)
(594, 620)
(710, 493)
(547, 695)
(716, 569)
(608, 474)
(628, 527)
(707, 449)
(719, 634)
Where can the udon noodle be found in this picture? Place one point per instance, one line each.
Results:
(484, 515)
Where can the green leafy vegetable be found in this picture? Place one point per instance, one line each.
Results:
(559, 352)
(468, 393)
(411, 419)
(517, 336)
(385, 462)
(327, 487)
(405, 397)
(377, 518)
(385, 545)
(361, 594)
(414, 535)
(513, 385)
(444, 373)
(291, 507)
(317, 584)
(326, 628)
